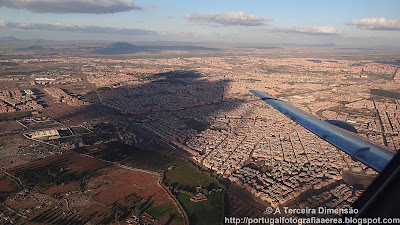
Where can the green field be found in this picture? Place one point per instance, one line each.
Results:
(159, 212)
(205, 212)
(183, 180)
(188, 175)
(162, 211)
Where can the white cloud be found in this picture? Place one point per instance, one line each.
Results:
(74, 28)
(376, 24)
(230, 19)
(72, 6)
(323, 30)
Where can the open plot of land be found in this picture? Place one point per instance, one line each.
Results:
(63, 188)
(7, 184)
(8, 84)
(9, 126)
(114, 184)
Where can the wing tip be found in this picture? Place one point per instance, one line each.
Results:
(261, 94)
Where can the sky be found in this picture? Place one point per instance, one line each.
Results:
(310, 22)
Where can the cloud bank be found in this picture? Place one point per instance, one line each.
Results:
(376, 24)
(230, 19)
(324, 30)
(72, 6)
(74, 28)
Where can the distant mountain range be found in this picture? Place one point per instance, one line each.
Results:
(126, 48)
(9, 38)
(120, 48)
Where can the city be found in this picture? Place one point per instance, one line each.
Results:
(200, 109)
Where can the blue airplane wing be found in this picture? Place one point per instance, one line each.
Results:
(372, 155)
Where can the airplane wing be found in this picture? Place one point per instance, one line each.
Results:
(375, 156)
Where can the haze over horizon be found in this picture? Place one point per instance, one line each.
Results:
(342, 23)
